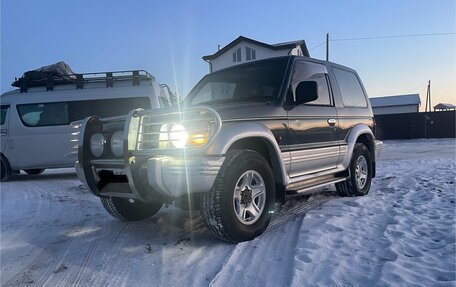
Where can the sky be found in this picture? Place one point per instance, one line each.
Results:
(168, 38)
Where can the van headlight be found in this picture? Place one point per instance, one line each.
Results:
(117, 143)
(97, 144)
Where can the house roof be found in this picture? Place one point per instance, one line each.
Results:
(444, 106)
(278, 46)
(400, 100)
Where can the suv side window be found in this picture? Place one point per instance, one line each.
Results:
(350, 88)
(313, 72)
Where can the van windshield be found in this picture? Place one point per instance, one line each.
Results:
(259, 81)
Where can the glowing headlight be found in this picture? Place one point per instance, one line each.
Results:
(97, 144)
(178, 136)
(117, 143)
(174, 134)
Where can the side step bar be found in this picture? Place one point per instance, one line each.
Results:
(308, 185)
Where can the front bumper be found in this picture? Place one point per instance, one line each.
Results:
(176, 176)
(378, 149)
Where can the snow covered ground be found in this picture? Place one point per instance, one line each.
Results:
(54, 233)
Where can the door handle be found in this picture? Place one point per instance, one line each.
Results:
(332, 122)
(3, 132)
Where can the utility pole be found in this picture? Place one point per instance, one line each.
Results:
(428, 98)
(428, 104)
(327, 46)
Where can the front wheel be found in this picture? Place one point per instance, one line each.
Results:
(361, 167)
(238, 207)
(5, 169)
(129, 209)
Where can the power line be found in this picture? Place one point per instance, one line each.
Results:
(422, 85)
(319, 45)
(393, 36)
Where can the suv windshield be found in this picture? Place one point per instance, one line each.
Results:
(260, 80)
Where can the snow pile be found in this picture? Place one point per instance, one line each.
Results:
(55, 233)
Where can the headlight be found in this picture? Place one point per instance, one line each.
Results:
(97, 144)
(180, 137)
(191, 128)
(174, 134)
(117, 143)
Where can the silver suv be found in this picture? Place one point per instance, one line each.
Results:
(242, 140)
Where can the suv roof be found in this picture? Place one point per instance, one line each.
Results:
(291, 58)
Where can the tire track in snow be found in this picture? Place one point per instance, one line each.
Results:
(251, 261)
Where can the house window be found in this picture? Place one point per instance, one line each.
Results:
(250, 54)
(237, 55)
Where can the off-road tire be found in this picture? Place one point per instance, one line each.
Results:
(35, 171)
(125, 209)
(5, 169)
(217, 205)
(349, 187)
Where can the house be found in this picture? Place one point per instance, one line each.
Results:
(444, 107)
(396, 104)
(244, 49)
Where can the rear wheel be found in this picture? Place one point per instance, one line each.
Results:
(238, 206)
(34, 171)
(5, 169)
(361, 167)
(128, 209)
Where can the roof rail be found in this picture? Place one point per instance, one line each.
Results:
(80, 79)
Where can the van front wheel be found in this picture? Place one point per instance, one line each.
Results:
(126, 209)
(34, 171)
(5, 169)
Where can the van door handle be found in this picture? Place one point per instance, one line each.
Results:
(3, 132)
(332, 122)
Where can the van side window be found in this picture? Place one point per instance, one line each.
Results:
(44, 114)
(3, 111)
(106, 108)
(55, 114)
(350, 88)
(307, 71)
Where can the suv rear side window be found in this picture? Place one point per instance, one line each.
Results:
(44, 114)
(3, 111)
(350, 88)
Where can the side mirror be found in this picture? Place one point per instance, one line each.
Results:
(306, 91)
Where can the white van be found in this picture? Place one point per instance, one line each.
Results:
(35, 119)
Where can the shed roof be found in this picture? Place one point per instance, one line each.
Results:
(399, 100)
(278, 46)
(444, 106)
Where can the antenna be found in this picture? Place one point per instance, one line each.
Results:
(327, 46)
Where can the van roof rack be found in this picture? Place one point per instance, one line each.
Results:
(50, 81)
